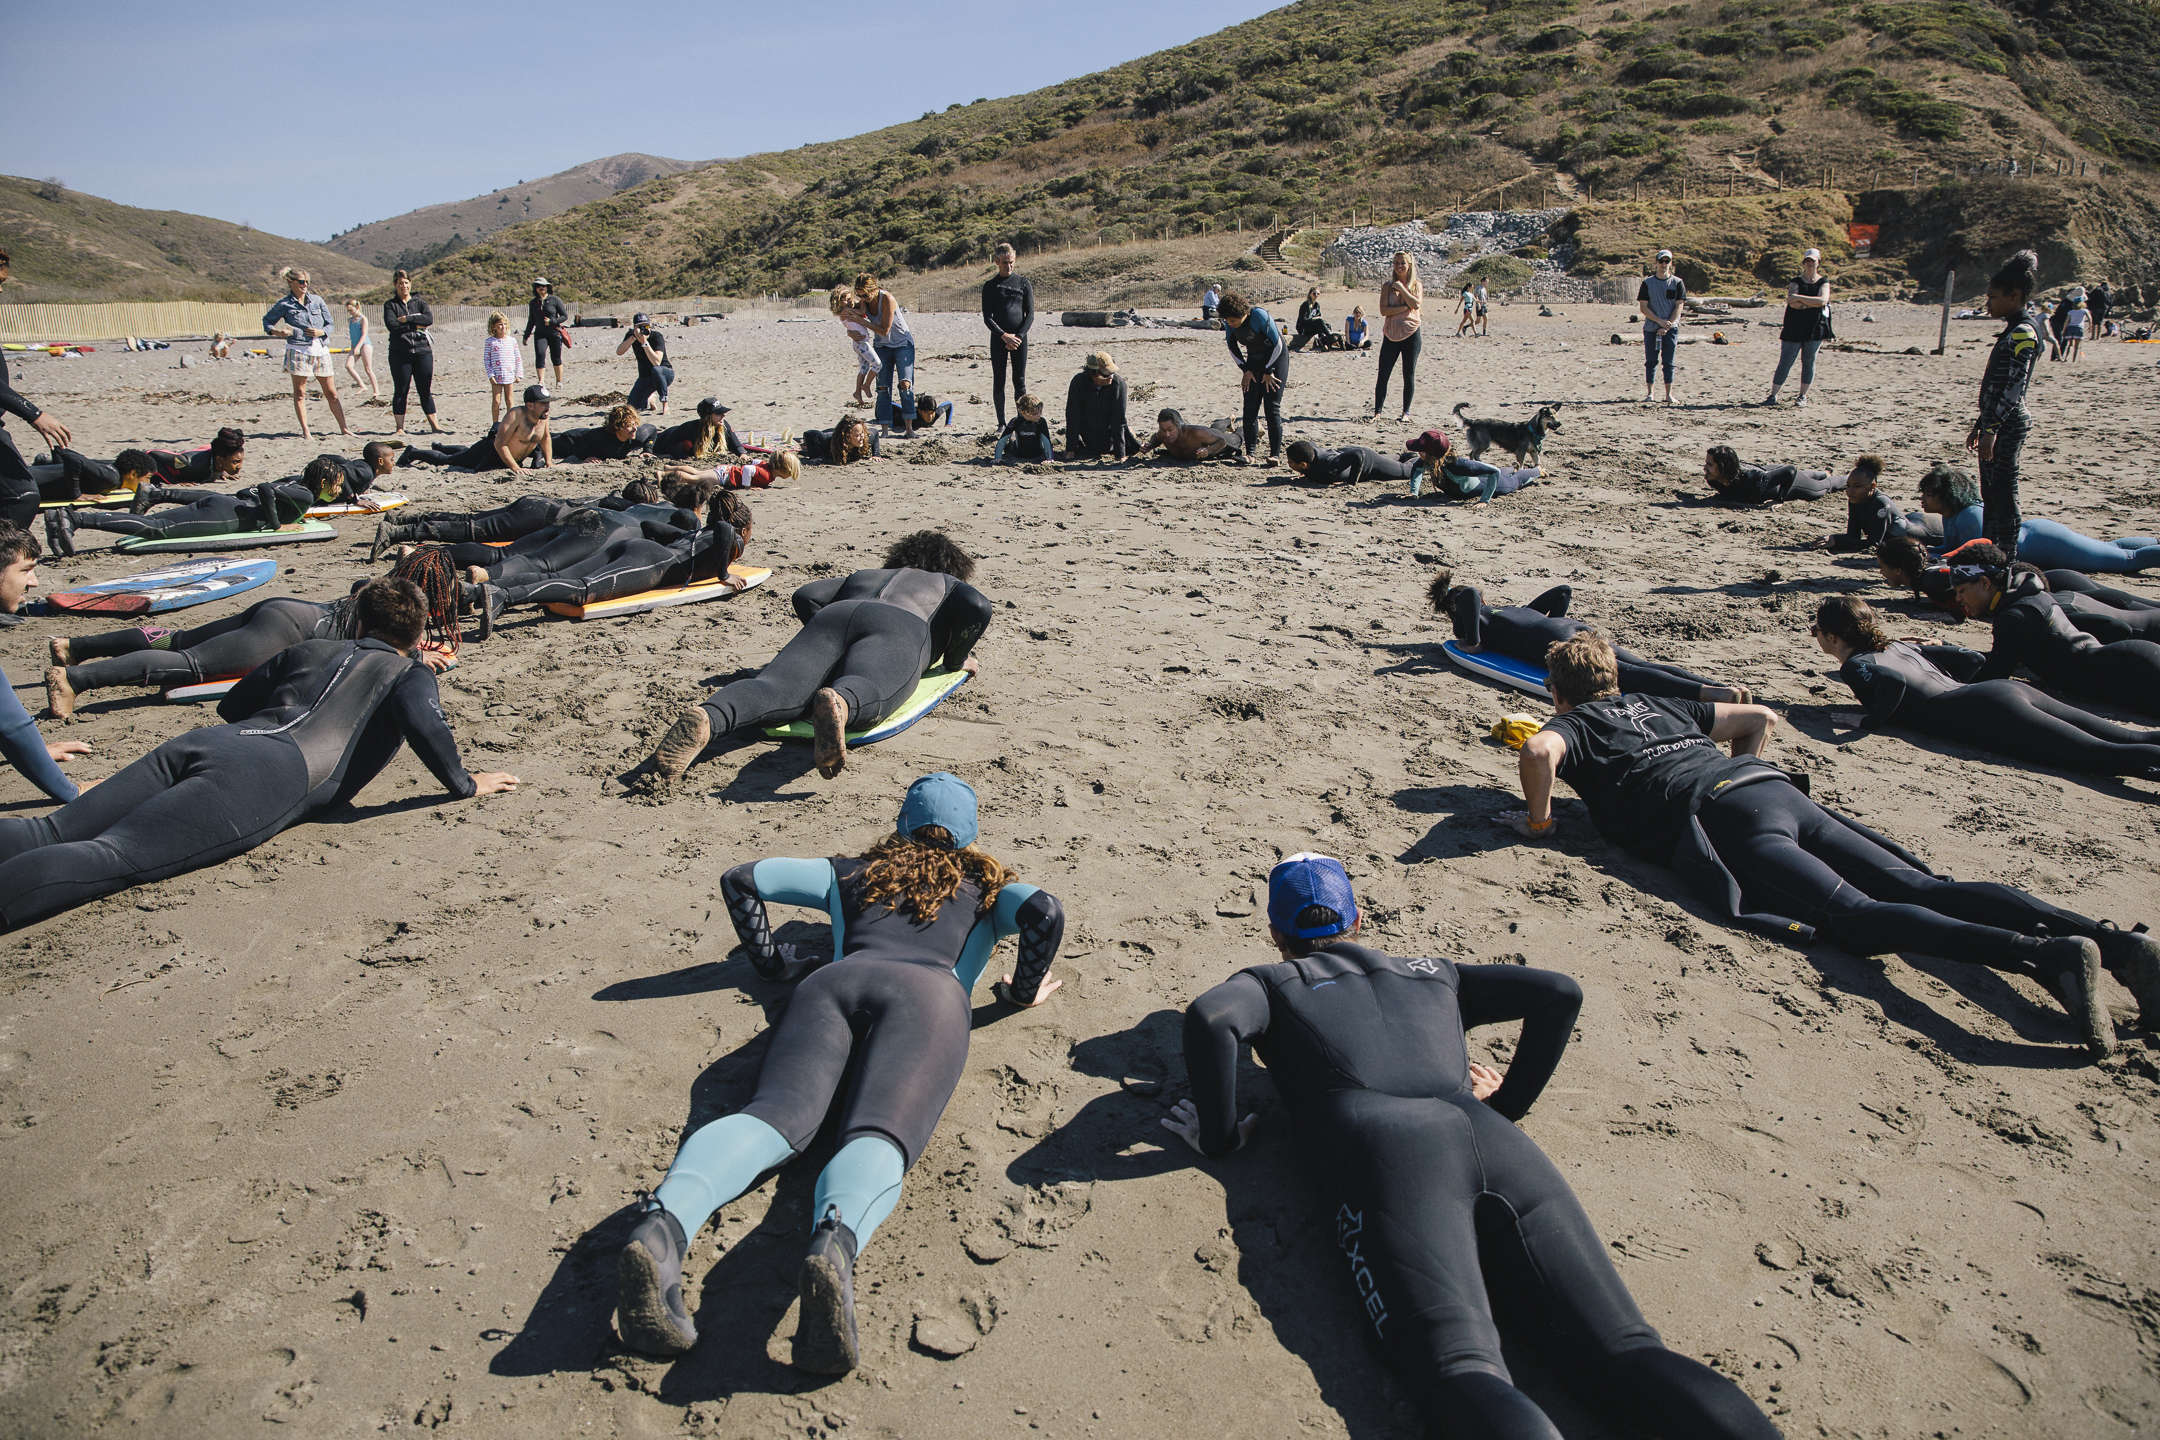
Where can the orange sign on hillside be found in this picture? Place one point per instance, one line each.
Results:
(1863, 239)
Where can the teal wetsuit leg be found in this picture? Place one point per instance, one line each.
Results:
(861, 1185)
(718, 1163)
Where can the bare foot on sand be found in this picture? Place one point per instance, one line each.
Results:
(828, 718)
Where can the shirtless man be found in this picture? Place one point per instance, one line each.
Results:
(1181, 441)
(519, 433)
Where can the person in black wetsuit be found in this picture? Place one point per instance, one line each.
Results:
(70, 474)
(1737, 484)
(1008, 309)
(2032, 631)
(587, 564)
(610, 518)
(1904, 565)
(1026, 438)
(1749, 841)
(1922, 690)
(620, 437)
(1095, 427)
(305, 731)
(867, 640)
(705, 436)
(515, 521)
(18, 486)
(269, 506)
(412, 354)
(1348, 465)
(1526, 632)
(1445, 1211)
(1263, 361)
(162, 659)
(546, 320)
(1870, 518)
(914, 922)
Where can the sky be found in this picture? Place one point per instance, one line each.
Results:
(305, 120)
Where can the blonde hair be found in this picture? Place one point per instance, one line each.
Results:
(620, 413)
(498, 323)
(291, 273)
(1582, 667)
(866, 284)
(1415, 285)
(785, 466)
(837, 301)
(1030, 405)
(353, 304)
(1358, 311)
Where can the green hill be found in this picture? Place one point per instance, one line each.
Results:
(1395, 108)
(67, 246)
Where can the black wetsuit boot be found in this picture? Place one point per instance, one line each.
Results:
(825, 1331)
(649, 1313)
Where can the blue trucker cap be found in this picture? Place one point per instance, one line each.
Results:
(940, 799)
(1307, 879)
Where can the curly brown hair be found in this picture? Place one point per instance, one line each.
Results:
(1852, 621)
(916, 875)
(850, 440)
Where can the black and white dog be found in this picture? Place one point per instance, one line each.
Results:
(1513, 436)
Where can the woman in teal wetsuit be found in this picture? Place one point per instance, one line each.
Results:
(918, 913)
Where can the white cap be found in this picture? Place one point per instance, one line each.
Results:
(1664, 254)
(1811, 254)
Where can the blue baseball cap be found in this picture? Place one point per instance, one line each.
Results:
(1307, 879)
(940, 799)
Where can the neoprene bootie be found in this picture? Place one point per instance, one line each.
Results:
(649, 1311)
(2133, 957)
(386, 535)
(146, 495)
(2074, 963)
(60, 531)
(825, 1330)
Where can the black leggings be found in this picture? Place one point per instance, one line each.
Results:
(1791, 858)
(197, 799)
(896, 1031)
(1258, 397)
(874, 654)
(1654, 677)
(409, 368)
(546, 344)
(521, 517)
(622, 565)
(211, 514)
(1389, 350)
(2083, 584)
(1445, 1212)
(2012, 718)
(557, 549)
(2125, 673)
(1000, 357)
(231, 646)
(480, 455)
(1999, 484)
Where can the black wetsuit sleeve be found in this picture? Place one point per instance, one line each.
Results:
(958, 624)
(815, 596)
(1040, 927)
(1218, 1027)
(746, 910)
(2013, 645)
(12, 402)
(1467, 609)
(990, 307)
(1880, 692)
(1545, 1001)
(417, 706)
(1554, 602)
(1959, 663)
(660, 532)
(734, 441)
(1027, 305)
(252, 692)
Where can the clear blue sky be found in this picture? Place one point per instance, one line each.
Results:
(308, 119)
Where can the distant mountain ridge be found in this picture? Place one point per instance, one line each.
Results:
(421, 236)
(67, 246)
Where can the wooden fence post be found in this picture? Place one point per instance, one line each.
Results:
(1942, 337)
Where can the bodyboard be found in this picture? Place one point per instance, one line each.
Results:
(384, 500)
(928, 695)
(217, 685)
(645, 600)
(167, 587)
(113, 500)
(1505, 669)
(303, 531)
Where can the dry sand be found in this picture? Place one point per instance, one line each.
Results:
(342, 1134)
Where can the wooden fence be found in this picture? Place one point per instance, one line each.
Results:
(157, 319)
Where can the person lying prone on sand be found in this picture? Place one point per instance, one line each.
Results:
(1735, 483)
(1180, 441)
(750, 475)
(523, 516)
(588, 566)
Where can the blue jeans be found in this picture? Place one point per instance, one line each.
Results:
(894, 362)
(644, 390)
(1805, 350)
(1654, 343)
(2052, 546)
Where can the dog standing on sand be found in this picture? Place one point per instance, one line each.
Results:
(1513, 436)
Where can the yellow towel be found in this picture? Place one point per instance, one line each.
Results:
(1514, 731)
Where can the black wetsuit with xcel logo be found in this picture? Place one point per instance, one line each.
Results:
(1441, 1205)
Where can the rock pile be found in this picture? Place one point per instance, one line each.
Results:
(1364, 253)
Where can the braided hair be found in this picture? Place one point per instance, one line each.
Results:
(429, 567)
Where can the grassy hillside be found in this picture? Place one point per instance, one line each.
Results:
(68, 246)
(1394, 108)
(408, 241)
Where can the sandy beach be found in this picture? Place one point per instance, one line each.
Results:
(343, 1134)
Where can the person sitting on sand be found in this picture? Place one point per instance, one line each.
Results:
(850, 439)
(1743, 834)
(1870, 518)
(521, 433)
(1734, 483)
(1447, 1211)
(1095, 427)
(1458, 477)
(1348, 465)
(1355, 330)
(622, 435)
(144, 655)
(706, 436)
(866, 643)
(1527, 632)
(20, 743)
(755, 474)
(921, 909)
(1180, 441)
(221, 346)
(1311, 325)
(1027, 438)
(592, 565)
(305, 732)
